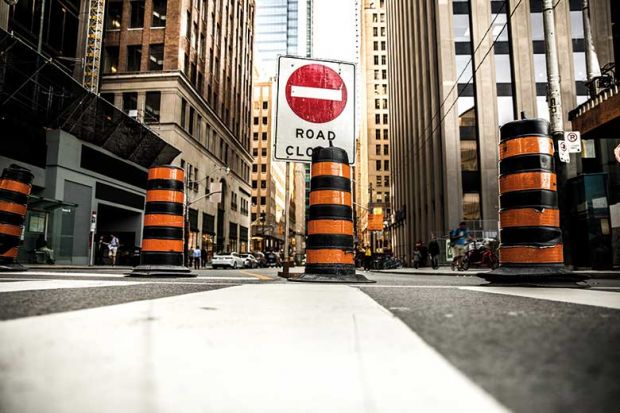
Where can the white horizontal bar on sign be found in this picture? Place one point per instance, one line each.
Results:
(316, 93)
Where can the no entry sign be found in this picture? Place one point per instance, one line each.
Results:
(315, 107)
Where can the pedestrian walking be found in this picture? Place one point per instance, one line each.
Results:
(458, 240)
(102, 251)
(113, 247)
(433, 250)
(367, 258)
(190, 256)
(203, 257)
(197, 255)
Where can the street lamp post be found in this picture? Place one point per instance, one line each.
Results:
(188, 203)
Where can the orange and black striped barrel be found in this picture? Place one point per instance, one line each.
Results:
(162, 241)
(15, 187)
(529, 217)
(329, 246)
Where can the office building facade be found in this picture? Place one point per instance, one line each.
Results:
(459, 70)
(184, 68)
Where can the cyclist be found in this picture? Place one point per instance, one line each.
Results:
(458, 239)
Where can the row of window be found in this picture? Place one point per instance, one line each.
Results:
(386, 165)
(152, 104)
(258, 118)
(378, 31)
(381, 44)
(133, 63)
(381, 103)
(114, 14)
(380, 74)
(263, 184)
(379, 117)
(192, 122)
(379, 60)
(383, 181)
(378, 134)
(263, 201)
(263, 167)
(386, 149)
(263, 136)
(263, 152)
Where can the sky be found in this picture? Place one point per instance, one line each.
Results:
(334, 29)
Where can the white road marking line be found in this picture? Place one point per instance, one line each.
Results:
(253, 348)
(565, 295)
(229, 278)
(316, 93)
(405, 286)
(30, 285)
(67, 274)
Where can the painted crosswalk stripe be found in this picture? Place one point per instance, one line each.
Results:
(565, 295)
(31, 285)
(252, 348)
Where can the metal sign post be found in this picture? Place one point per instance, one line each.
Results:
(287, 197)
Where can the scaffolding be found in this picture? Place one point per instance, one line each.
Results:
(92, 58)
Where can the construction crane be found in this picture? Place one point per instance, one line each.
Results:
(92, 58)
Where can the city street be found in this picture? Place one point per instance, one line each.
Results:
(248, 341)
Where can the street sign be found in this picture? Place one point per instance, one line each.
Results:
(563, 151)
(573, 141)
(93, 221)
(315, 107)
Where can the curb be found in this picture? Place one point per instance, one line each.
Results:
(605, 275)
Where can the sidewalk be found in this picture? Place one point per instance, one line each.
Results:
(445, 270)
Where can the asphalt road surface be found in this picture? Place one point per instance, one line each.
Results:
(249, 341)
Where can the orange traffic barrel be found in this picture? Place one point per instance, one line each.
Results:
(15, 187)
(529, 218)
(330, 255)
(162, 240)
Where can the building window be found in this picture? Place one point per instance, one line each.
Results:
(265, 105)
(137, 14)
(255, 136)
(386, 165)
(386, 179)
(377, 133)
(130, 103)
(378, 165)
(254, 168)
(263, 152)
(377, 149)
(255, 120)
(264, 137)
(110, 59)
(263, 200)
(254, 184)
(159, 13)
(156, 57)
(255, 151)
(114, 16)
(386, 150)
(134, 55)
(385, 134)
(264, 120)
(379, 181)
(263, 184)
(263, 168)
(378, 119)
(192, 113)
(183, 112)
(471, 206)
(385, 119)
(469, 155)
(151, 107)
(376, 60)
(375, 45)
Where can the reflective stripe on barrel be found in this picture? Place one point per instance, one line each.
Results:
(530, 231)
(162, 241)
(329, 246)
(15, 187)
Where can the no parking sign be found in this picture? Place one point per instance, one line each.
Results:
(573, 141)
(315, 107)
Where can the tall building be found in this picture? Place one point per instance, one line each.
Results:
(458, 70)
(373, 188)
(184, 68)
(282, 28)
(268, 177)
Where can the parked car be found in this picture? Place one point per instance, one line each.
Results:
(273, 259)
(230, 260)
(249, 261)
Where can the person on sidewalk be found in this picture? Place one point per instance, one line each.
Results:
(113, 247)
(203, 257)
(458, 240)
(433, 250)
(367, 258)
(197, 254)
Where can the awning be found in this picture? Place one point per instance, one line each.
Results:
(39, 203)
(37, 91)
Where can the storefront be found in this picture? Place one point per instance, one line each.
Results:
(233, 237)
(208, 235)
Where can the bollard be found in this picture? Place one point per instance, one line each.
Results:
(330, 255)
(531, 248)
(15, 187)
(162, 241)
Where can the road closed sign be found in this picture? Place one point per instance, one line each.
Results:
(315, 107)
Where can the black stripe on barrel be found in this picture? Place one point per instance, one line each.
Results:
(15, 187)
(162, 244)
(528, 239)
(527, 163)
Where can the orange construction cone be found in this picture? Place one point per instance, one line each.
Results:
(162, 241)
(330, 255)
(15, 187)
(531, 248)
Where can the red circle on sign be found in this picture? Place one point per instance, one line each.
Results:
(316, 93)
